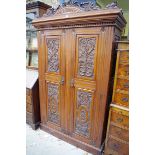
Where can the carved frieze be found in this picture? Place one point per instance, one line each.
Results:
(86, 54)
(67, 9)
(112, 5)
(71, 7)
(82, 122)
(53, 54)
(53, 103)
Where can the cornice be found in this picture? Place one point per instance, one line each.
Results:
(70, 15)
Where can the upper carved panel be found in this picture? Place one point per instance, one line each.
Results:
(86, 53)
(53, 54)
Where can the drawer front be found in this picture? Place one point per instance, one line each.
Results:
(121, 99)
(124, 57)
(28, 92)
(119, 119)
(28, 99)
(122, 84)
(123, 70)
(119, 133)
(119, 147)
(28, 107)
(29, 118)
(108, 151)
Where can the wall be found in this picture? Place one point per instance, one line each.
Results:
(124, 4)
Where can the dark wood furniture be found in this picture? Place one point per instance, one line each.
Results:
(37, 7)
(117, 139)
(32, 99)
(33, 10)
(75, 57)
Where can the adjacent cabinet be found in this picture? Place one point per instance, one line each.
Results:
(75, 63)
(32, 99)
(117, 139)
(34, 10)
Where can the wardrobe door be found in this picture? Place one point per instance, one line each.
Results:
(54, 78)
(83, 83)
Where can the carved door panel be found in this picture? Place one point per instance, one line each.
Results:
(84, 83)
(54, 78)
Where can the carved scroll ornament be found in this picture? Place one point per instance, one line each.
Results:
(53, 54)
(86, 56)
(82, 124)
(53, 103)
(71, 7)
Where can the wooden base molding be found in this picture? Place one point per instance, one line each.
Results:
(71, 140)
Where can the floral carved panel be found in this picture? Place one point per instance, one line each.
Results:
(83, 107)
(53, 54)
(86, 54)
(53, 103)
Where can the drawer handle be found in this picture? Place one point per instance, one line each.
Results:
(119, 120)
(125, 99)
(126, 85)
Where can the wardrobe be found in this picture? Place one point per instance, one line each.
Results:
(76, 54)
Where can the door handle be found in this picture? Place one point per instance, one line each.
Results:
(62, 80)
(72, 83)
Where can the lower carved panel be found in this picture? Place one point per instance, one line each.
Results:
(83, 108)
(53, 103)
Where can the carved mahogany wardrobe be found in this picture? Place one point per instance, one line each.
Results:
(75, 62)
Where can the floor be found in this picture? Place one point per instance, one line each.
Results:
(41, 143)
